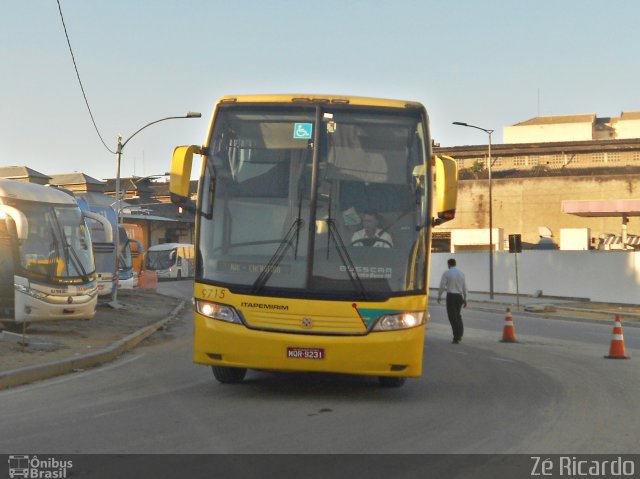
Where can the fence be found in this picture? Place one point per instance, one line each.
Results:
(606, 276)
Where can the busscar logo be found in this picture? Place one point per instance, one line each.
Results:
(36, 468)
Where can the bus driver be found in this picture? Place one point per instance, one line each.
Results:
(371, 234)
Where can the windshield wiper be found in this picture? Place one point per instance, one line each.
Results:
(345, 257)
(72, 258)
(343, 252)
(54, 254)
(285, 244)
(77, 262)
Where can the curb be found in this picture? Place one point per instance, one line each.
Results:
(553, 316)
(488, 307)
(21, 376)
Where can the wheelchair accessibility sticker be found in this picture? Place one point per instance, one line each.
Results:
(302, 131)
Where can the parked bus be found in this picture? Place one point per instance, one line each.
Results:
(114, 269)
(103, 251)
(47, 268)
(171, 260)
(137, 243)
(127, 276)
(282, 280)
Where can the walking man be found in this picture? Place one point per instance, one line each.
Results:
(454, 284)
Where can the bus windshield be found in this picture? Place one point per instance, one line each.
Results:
(315, 201)
(58, 246)
(160, 259)
(124, 256)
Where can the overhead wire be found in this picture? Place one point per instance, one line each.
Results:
(80, 81)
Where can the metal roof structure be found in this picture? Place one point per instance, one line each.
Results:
(606, 209)
(602, 208)
(24, 173)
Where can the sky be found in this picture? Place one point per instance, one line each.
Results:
(491, 64)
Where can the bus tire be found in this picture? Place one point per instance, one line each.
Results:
(391, 381)
(227, 375)
(179, 275)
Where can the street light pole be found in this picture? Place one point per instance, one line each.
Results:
(120, 147)
(489, 132)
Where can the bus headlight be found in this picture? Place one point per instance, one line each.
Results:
(392, 322)
(31, 292)
(218, 311)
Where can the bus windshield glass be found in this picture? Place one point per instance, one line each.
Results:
(160, 259)
(124, 261)
(321, 201)
(58, 246)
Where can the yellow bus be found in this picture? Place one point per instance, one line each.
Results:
(290, 273)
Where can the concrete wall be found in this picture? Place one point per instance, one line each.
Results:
(552, 128)
(548, 132)
(597, 275)
(628, 129)
(521, 205)
(468, 239)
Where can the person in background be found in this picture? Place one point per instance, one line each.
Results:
(453, 282)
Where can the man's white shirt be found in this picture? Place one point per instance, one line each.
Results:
(362, 235)
(453, 282)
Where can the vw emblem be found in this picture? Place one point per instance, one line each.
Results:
(307, 323)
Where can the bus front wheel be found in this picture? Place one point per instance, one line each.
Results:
(227, 375)
(391, 381)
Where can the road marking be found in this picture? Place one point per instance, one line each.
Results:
(68, 377)
(503, 360)
(114, 411)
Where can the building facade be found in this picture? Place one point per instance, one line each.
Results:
(543, 162)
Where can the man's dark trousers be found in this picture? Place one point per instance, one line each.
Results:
(454, 311)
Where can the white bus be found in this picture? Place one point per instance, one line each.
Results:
(47, 267)
(171, 260)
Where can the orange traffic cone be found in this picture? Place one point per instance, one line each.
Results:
(509, 332)
(616, 351)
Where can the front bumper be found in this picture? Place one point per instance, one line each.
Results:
(388, 353)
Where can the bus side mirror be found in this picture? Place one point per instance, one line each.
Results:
(18, 217)
(446, 186)
(180, 176)
(108, 229)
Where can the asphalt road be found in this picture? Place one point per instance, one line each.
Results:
(552, 393)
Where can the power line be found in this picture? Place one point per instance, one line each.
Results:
(80, 81)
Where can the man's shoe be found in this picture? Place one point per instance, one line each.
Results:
(455, 341)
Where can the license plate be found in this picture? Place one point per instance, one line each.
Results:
(305, 353)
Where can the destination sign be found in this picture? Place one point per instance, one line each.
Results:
(255, 268)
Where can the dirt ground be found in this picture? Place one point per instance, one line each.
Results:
(55, 340)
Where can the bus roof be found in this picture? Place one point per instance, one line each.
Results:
(307, 98)
(21, 190)
(168, 246)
